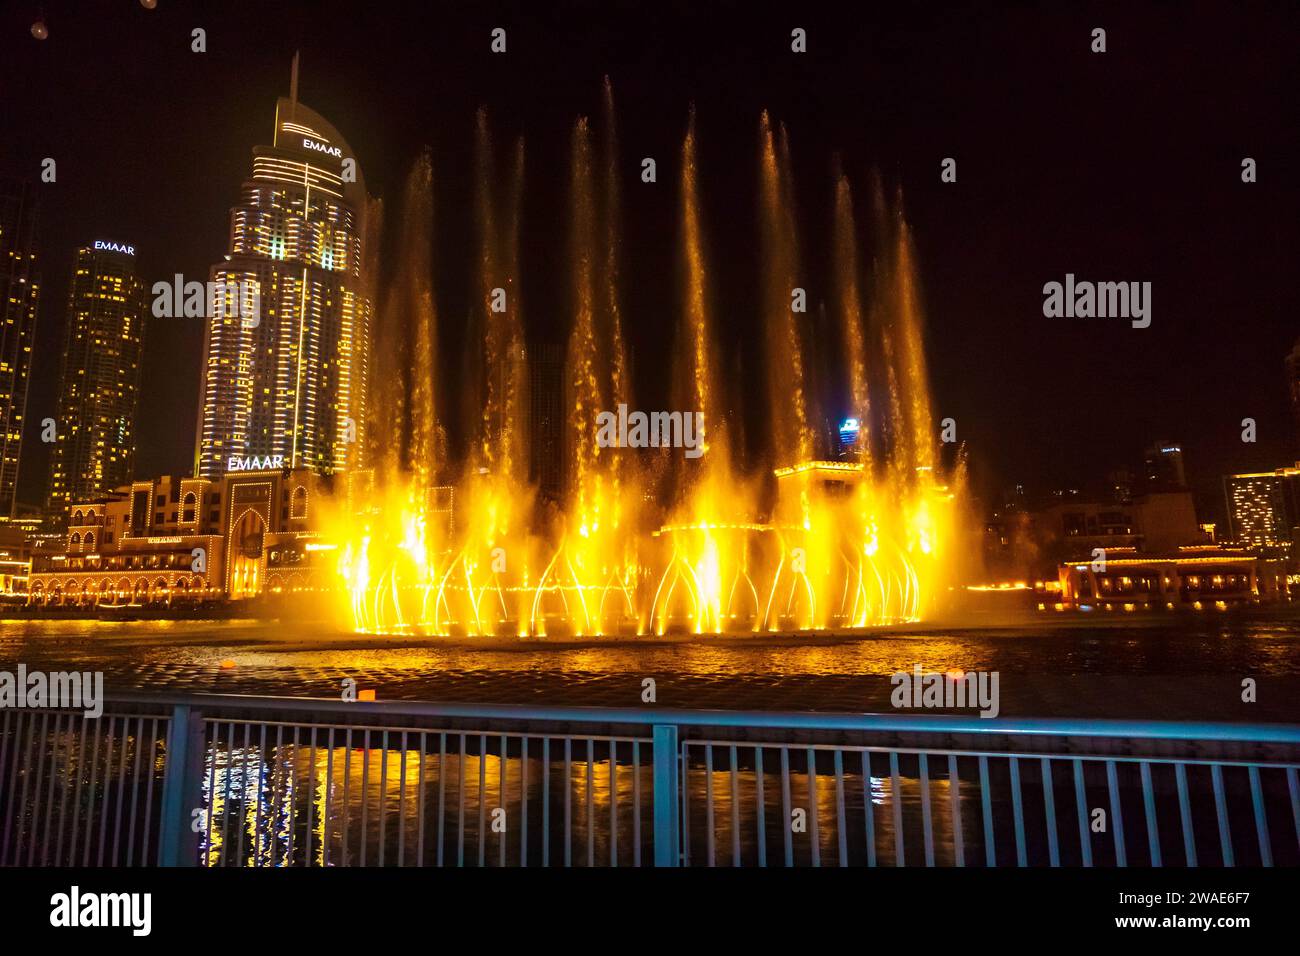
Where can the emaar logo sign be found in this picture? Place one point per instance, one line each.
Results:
(255, 463)
(102, 246)
(308, 143)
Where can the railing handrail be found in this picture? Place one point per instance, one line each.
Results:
(909, 723)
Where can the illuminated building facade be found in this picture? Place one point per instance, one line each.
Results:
(19, 298)
(291, 380)
(175, 541)
(848, 433)
(1263, 507)
(1196, 578)
(99, 380)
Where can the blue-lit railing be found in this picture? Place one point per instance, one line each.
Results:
(246, 781)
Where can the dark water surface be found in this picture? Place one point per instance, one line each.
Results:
(281, 793)
(1188, 667)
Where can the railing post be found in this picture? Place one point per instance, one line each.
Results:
(182, 788)
(667, 795)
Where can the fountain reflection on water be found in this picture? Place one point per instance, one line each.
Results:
(433, 799)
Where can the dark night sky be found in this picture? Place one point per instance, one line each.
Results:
(1122, 166)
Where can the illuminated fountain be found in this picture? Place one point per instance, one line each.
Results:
(865, 538)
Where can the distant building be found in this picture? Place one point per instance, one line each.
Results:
(1195, 578)
(1008, 544)
(1263, 507)
(1150, 524)
(1166, 520)
(1144, 511)
(547, 417)
(19, 298)
(850, 435)
(1163, 467)
(99, 378)
(496, 392)
(1120, 484)
(292, 380)
(1072, 528)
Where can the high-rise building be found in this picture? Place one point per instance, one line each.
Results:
(288, 384)
(547, 411)
(1263, 507)
(19, 298)
(1163, 467)
(1119, 484)
(99, 379)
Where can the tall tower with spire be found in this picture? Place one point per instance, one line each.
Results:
(288, 384)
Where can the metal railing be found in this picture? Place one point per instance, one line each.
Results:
(244, 781)
(76, 791)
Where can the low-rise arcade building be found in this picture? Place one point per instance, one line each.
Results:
(170, 542)
(1196, 578)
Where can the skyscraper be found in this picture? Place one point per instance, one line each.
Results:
(19, 298)
(1263, 507)
(1162, 467)
(546, 419)
(288, 385)
(99, 378)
